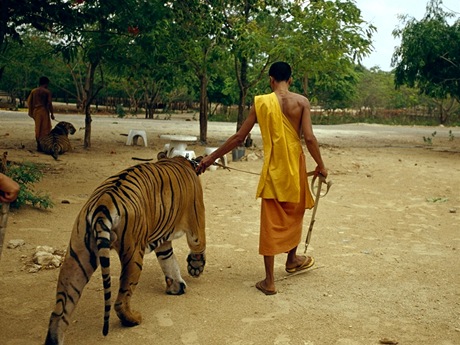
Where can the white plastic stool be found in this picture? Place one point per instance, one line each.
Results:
(134, 134)
(223, 159)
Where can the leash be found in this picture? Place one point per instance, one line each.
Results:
(231, 168)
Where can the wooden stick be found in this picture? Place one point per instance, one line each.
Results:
(5, 206)
(3, 221)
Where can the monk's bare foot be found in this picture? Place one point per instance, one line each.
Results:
(301, 262)
(266, 289)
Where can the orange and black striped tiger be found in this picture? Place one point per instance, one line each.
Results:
(57, 141)
(139, 210)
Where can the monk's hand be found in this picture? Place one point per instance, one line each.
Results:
(321, 171)
(204, 164)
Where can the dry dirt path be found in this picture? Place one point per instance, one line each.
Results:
(386, 241)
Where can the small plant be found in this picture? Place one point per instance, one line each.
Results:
(120, 111)
(27, 174)
(451, 136)
(429, 140)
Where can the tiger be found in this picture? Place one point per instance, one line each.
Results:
(139, 210)
(57, 141)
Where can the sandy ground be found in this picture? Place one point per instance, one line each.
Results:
(386, 241)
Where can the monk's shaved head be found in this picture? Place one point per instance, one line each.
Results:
(280, 71)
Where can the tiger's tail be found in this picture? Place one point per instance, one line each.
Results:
(102, 226)
(76, 270)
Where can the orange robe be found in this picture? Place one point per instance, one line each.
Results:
(38, 102)
(283, 183)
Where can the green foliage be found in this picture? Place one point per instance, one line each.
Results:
(26, 175)
(231, 115)
(429, 140)
(381, 116)
(437, 199)
(428, 57)
(45, 16)
(121, 113)
(375, 90)
(216, 53)
(327, 38)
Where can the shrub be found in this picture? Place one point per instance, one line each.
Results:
(26, 175)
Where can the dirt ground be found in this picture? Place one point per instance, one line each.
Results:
(386, 242)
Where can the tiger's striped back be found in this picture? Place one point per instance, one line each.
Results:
(57, 141)
(139, 210)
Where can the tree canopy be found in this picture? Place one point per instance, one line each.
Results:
(149, 53)
(429, 55)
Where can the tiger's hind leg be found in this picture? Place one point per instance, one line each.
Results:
(175, 285)
(74, 274)
(196, 239)
(131, 271)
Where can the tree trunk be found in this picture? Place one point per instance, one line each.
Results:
(243, 85)
(305, 85)
(89, 93)
(88, 120)
(241, 106)
(203, 108)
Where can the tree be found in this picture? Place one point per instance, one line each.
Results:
(429, 55)
(335, 90)
(253, 31)
(375, 90)
(44, 16)
(87, 46)
(328, 37)
(27, 60)
(321, 40)
(195, 33)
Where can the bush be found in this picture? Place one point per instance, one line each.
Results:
(26, 175)
(120, 111)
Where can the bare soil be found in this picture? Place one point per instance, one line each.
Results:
(386, 242)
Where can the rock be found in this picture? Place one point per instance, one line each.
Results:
(12, 244)
(47, 249)
(43, 258)
(34, 268)
(47, 256)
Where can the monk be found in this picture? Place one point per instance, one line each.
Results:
(283, 118)
(40, 109)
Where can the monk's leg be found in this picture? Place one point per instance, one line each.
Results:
(267, 285)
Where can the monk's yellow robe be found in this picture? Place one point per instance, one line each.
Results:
(283, 183)
(38, 103)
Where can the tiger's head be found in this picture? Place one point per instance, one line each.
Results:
(65, 128)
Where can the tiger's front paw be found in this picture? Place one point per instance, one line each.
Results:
(175, 287)
(196, 264)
